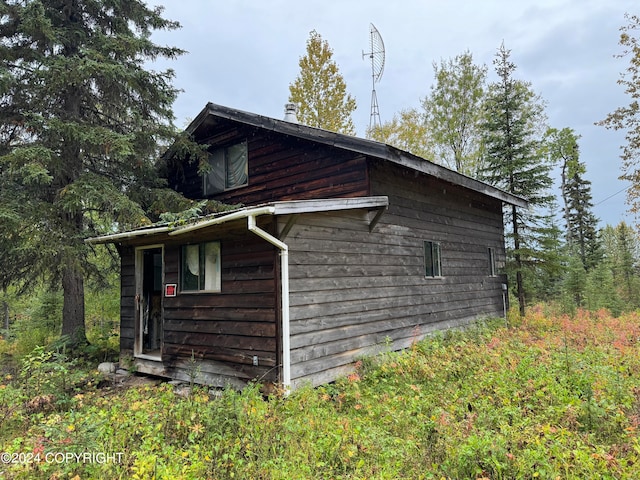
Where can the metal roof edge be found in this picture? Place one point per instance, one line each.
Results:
(359, 145)
(285, 207)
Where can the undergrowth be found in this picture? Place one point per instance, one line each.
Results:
(550, 396)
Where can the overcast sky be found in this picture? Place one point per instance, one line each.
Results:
(244, 54)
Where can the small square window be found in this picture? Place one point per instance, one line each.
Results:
(432, 259)
(200, 267)
(228, 168)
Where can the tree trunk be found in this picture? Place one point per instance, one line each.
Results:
(5, 307)
(73, 306)
(518, 261)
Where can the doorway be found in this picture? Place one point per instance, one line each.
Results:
(149, 281)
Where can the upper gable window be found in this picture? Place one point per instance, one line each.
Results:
(228, 169)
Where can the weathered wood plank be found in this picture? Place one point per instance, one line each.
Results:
(238, 342)
(234, 314)
(314, 318)
(210, 373)
(316, 369)
(351, 290)
(386, 326)
(237, 359)
(251, 329)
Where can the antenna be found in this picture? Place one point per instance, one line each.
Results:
(376, 54)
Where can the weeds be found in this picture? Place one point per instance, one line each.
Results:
(551, 396)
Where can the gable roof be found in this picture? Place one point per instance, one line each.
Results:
(212, 112)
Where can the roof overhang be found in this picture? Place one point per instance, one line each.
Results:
(364, 146)
(282, 208)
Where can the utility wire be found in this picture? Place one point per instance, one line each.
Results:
(614, 194)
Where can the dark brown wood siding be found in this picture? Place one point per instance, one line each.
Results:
(353, 291)
(280, 168)
(226, 332)
(127, 296)
(234, 325)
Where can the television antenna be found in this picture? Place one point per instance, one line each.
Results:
(376, 55)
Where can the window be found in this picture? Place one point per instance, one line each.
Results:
(200, 267)
(228, 169)
(491, 254)
(432, 259)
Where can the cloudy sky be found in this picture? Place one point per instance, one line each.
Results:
(244, 54)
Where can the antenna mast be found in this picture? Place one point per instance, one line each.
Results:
(376, 54)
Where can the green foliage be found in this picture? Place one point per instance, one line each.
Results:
(320, 91)
(194, 210)
(601, 291)
(102, 311)
(580, 223)
(453, 113)
(82, 123)
(514, 160)
(627, 118)
(624, 259)
(35, 319)
(45, 372)
(407, 131)
(574, 283)
(39, 323)
(555, 396)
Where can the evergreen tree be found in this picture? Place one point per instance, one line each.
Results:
(512, 131)
(547, 261)
(574, 282)
(81, 118)
(320, 91)
(581, 224)
(622, 255)
(600, 290)
(453, 112)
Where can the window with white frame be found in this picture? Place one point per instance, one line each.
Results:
(432, 267)
(200, 267)
(228, 168)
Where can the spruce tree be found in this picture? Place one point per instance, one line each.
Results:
(514, 160)
(320, 91)
(546, 263)
(621, 257)
(580, 222)
(81, 119)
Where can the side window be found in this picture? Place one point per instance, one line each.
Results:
(491, 257)
(228, 168)
(200, 267)
(432, 266)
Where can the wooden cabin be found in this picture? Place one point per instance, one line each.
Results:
(343, 247)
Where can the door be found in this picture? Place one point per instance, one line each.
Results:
(149, 312)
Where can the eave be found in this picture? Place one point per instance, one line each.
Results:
(370, 148)
(282, 208)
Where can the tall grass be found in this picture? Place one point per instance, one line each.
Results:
(551, 396)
